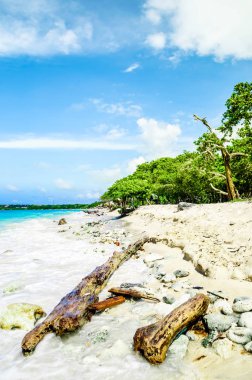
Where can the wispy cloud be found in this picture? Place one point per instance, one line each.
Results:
(49, 143)
(132, 67)
(122, 109)
(63, 184)
(12, 188)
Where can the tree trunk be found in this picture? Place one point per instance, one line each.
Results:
(73, 310)
(231, 189)
(154, 340)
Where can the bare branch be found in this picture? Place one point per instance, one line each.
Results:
(218, 190)
(232, 155)
(204, 121)
(218, 174)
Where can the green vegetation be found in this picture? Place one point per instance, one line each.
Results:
(50, 207)
(220, 169)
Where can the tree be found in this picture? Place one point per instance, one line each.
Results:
(238, 115)
(127, 191)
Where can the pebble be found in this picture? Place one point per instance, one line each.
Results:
(181, 273)
(224, 306)
(167, 278)
(219, 322)
(169, 300)
(246, 320)
(243, 305)
(241, 335)
(223, 348)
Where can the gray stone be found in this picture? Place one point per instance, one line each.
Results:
(223, 348)
(184, 205)
(246, 320)
(219, 322)
(243, 305)
(179, 347)
(224, 306)
(167, 278)
(248, 347)
(181, 273)
(241, 335)
(237, 299)
(169, 300)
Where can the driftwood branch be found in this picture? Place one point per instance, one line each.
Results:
(218, 190)
(133, 293)
(73, 310)
(107, 304)
(154, 340)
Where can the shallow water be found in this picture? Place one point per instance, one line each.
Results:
(44, 265)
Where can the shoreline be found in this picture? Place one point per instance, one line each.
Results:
(71, 251)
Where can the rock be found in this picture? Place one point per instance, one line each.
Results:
(223, 348)
(181, 273)
(191, 335)
(241, 335)
(184, 205)
(248, 347)
(167, 278)
(246, 320)
(179, 347)
(243, 305)
(179, 286)
(219, 322)
(224, 306)
(240, 299)
(20, 315)
(169, 300)
(248, 269)
(128, 285)
(62, 221)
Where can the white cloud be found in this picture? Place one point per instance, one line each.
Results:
(12, 188)
(106, 175)
(132, 67)
(115, 133)
(122, 109)
(89, 195)
(156, 41)
(42, 190)
(63, 184)
(49, 143)
(158, 138)
(133, 164)
(221, 28)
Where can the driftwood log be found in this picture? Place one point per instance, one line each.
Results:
(154, 340)
(73, 310)
(107, 303)
(133, 294)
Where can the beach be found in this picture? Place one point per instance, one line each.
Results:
(42, 261)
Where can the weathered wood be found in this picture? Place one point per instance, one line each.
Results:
(154, 340)
(107, 304)
(72, 311)
(132, 293)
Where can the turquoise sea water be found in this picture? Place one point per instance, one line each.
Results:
(15, 216)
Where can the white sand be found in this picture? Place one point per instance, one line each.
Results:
(44, 264)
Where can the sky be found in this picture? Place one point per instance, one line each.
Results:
(90, 89)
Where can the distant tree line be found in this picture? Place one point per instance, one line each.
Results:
(49, 207)
(219, 169)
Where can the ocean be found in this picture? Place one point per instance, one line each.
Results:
(15, 216)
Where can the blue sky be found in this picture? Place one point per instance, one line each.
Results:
(90, 89)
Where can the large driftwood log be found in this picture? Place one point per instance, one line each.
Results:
(72, 311)
(133, 294)
(154, 340)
